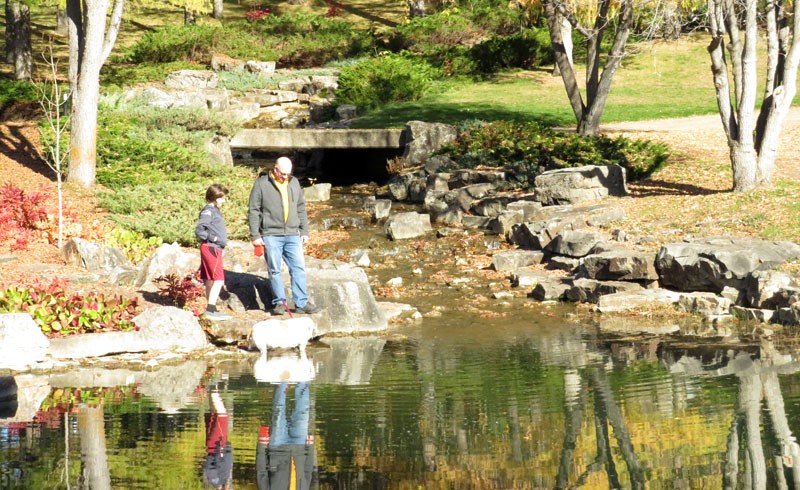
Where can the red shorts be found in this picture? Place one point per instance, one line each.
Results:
(211, 263)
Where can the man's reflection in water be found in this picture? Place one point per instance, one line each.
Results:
(285, 455)
(218, 465)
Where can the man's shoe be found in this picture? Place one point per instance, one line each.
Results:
(278, 310)
(308, 309)
(216, 316)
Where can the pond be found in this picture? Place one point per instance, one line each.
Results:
(518, 405)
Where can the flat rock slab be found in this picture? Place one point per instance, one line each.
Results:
(710, 264)
(511, 260)
(639, 300)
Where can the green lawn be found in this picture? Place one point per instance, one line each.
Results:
(657, 80)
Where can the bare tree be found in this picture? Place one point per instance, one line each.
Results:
(598, 85)
(217, 10)
(90, 43)
(53, 99)
(753, 138)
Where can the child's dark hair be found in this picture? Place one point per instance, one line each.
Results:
(215, 191)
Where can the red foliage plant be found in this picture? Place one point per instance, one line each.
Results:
(257, 13)
(23, 214)
(179, 290)
(334, 8)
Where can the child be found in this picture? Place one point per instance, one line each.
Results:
(210, 230)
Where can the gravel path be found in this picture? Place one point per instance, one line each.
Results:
(702, 137)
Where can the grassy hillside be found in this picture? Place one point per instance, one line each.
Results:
(657, 80)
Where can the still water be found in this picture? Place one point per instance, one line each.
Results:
(524, 404)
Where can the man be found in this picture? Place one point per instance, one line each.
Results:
(285, 452)
(279, 222)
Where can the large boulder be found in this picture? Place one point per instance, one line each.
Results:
(408, 225)
(511, 260)
(579, 184)
(589, 290)
(422, 139)
(167, 259)
(22, 343)
(710, 264)
(188, 79)
(770, 290)
(350, 306)
(574, 243)
(625, 301)
(93, 257)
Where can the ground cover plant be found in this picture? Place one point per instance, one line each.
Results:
(155, 169)
(58, 312)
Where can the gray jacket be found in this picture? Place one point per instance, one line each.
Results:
(211, 227)
(266, 209)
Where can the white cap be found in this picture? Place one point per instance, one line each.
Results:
(284, 165)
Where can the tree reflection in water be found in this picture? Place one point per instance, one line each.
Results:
(567, 411)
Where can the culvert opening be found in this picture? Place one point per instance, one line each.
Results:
(337, 166)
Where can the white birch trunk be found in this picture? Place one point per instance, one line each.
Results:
(83, 120)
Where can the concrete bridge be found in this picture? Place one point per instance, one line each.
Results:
(311, 139)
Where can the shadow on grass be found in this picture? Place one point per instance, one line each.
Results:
(398, 116)
(364, 14)
(653, 188)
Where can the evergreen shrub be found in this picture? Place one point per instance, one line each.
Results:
(526, 49)
(527, 149)
(155, 169)
(378, 81)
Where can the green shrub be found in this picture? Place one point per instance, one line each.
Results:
(169, 209)
(527, 149)
(377, 81)
(13, 91)
(153, 163)
(526, 49)
(294, 40)
(303, 40)
(129, 74)
(176, 43)
(245, 81)
(447, 38)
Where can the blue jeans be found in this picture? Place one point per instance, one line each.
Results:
(290, 249)
(294, 429)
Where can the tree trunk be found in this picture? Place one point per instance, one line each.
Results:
(20, 39)
(750, 406)
(93, 448)
(417, 8)
(753, 139)
(83, 119)
(217, 10)
(9, 32)
(743, 160)
(89, 46)
(566, 41)
(598, 86)
(189, 17)
(62, 23)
